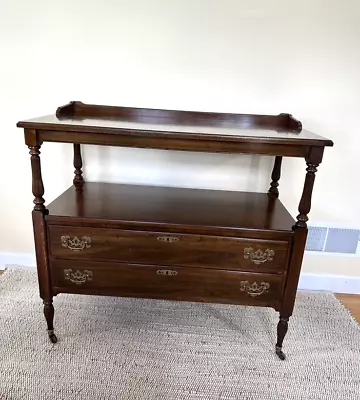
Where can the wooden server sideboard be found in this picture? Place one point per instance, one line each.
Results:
(171, 243)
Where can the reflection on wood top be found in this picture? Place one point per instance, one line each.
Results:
(172, 206)
(80, 117)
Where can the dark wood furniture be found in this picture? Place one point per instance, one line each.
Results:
(171, 243)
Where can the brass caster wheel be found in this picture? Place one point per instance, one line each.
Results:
(52, 336)
(280, 353)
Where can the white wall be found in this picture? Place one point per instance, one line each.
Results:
(255, 56)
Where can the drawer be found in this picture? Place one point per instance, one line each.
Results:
(139, 247)
(173, 283)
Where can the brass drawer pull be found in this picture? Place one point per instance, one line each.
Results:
(167, 239)
(258, 256)
(78, 277)
(254, 289)
(167, 272)
(76, 244)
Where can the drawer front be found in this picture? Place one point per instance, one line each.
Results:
(173, 283)
(139, 247)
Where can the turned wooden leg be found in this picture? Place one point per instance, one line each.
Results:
(275, 176)
(282, 328)
(313, 159)
(49, 315)
(40, 231)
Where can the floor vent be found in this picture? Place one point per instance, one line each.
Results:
(329, 239)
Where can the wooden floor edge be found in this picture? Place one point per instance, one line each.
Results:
(351, 302)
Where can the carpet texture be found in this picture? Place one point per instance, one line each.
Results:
(113, 348)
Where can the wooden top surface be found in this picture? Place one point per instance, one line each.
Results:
(172, 206)
(80, 117)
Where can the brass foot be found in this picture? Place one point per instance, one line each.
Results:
(280, 353)
(52, 336)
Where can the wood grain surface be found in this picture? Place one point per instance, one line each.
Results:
(157, 248)
(178, 207)
(80, 117)
(167, 282)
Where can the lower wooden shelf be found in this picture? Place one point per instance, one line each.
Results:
(208, 211)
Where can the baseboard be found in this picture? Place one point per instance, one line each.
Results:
(17, 259)
(323, 282)
(330, 283)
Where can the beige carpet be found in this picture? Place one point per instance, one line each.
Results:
(112, 348)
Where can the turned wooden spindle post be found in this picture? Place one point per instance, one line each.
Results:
(305, 202)
(37, 183)
(78, 178)
(275, 176)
